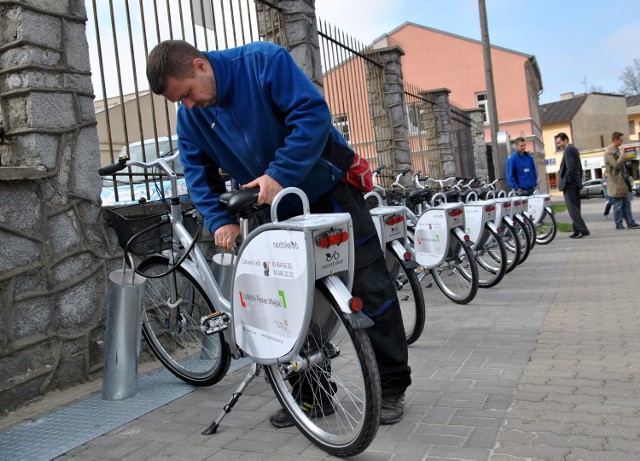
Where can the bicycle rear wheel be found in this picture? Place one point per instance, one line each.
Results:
(409, 294)
(457, 275)
(491, 256)
(342, 387)
(511, 245)
(531, 229)
(546, 228)
(188, 353)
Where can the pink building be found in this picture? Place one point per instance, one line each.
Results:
(437, 59)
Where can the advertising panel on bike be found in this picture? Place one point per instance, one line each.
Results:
(536, 206)
(432, 237)
(270, 287)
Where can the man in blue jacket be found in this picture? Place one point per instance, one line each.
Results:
(521, 169)
(252, 112)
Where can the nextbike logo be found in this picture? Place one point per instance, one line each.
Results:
(333, 259)
(286, 245)
(280, 301)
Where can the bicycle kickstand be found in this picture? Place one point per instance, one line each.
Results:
(253, 372)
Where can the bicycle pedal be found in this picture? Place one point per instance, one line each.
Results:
(214, 323)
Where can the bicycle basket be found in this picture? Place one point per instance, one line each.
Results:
(127, 221)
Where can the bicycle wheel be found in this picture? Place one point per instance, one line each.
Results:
(409, 294)
(188, 353)
(511, 245)
(531, 229)
(491, 257)
(523, 239)
(342, 383)
(546, 229)
(457, 275)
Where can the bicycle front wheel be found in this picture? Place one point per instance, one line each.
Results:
(523, 239)
(546, 229)
(409, 294)
(511, 245)
(457, 275)
(335, 400)
(182, 347)
(491, 256)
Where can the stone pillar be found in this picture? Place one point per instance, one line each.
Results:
(479, 143)
(386, 96)
(443, 129)
(296, 30)
(52, 263)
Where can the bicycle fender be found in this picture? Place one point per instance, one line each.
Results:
(333, 287)
(549, 210)
(460, 233)
(493, 226)
(399, 251)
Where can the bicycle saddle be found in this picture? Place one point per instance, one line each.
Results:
(465, 194)
(452, 196)
(420, 195)
(241, 203)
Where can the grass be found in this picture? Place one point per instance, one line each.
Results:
(562, 227)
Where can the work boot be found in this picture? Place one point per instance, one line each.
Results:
(392, 409)
(282, 418)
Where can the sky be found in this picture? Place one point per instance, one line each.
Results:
(579, 45)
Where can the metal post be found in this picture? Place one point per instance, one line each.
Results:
(125, 302)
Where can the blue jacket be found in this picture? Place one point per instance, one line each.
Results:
(270, 119)
(521, 171)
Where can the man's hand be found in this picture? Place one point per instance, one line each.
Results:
(225, 236)
(269, 187)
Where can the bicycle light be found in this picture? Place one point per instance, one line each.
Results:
(332, 238)
(395, 219)
(355, 304)
(407, 256)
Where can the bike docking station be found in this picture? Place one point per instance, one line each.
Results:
(125, 301)
(537, 205)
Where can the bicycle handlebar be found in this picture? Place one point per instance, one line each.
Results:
(125, 161)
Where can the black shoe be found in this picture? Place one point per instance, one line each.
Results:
(572, 236)
(392, 409)
(579, 235)
(633, 226)
(282, 418)
(620, 228)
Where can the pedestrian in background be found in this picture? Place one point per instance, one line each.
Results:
(570, 183)
(618, 181)
(521, 169)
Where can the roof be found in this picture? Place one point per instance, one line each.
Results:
(561, 111)
(633, 100)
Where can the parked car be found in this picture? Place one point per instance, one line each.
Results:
(139, 182)
(592, 188)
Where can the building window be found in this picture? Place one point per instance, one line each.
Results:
(481, 99)
(341, 123)
(632, 127)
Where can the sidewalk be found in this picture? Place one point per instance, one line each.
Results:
(543, 366)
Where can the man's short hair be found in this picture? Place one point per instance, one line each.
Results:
(562, 136)
(519, 140)
(171, 58)
(616, 135)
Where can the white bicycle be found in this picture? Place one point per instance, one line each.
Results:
(287, 307)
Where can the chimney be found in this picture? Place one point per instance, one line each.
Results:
(565, 96)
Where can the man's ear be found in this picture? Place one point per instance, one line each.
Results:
(199, 65)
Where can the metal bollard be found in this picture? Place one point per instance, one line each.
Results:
(125, 302)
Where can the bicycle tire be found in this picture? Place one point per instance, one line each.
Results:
(348, 362)
(190, 354)
(523, 239)
(511, 245)
(410, 296)
(491, 257)
(546, 229)
(531, 229)
(457, 275)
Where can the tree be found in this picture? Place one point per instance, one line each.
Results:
(631, 79)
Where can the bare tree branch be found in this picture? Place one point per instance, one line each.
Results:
(631, 79)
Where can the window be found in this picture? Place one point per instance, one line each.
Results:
(632, 127)
(341, 123)
(483, 102)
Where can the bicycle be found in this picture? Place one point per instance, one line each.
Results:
(290, 311)
(391, 225)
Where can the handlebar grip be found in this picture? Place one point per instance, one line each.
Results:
(110, 169)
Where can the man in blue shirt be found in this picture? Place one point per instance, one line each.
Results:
(521, 169)
(252, 112)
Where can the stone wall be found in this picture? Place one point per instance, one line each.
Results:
(54, 254)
